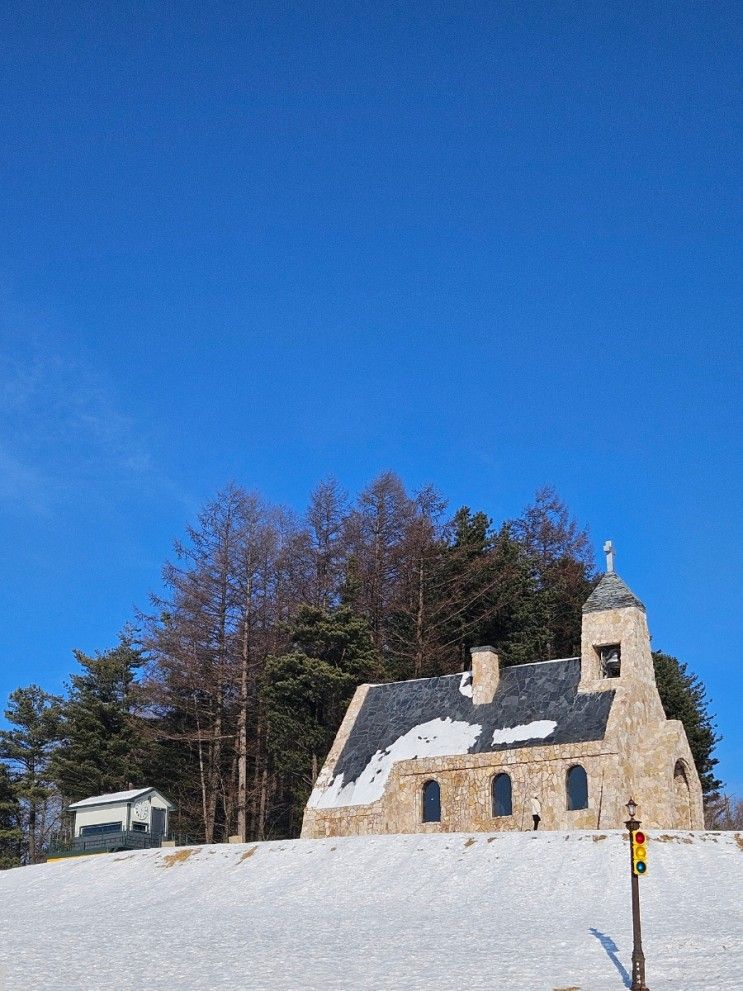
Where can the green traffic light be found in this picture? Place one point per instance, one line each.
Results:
(641, 867)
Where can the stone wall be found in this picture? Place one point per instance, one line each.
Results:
(466, 795)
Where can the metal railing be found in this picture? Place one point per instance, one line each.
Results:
(125, 839)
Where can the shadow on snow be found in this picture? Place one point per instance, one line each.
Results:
(611, 951)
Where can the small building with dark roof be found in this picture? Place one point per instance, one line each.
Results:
(569, 740)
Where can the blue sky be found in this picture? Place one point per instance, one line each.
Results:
(487, 245)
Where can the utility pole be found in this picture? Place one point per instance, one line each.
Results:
(638, 866)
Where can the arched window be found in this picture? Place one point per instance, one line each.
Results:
(502, 795)
(681, 797)
(431, 802)
(576, 785)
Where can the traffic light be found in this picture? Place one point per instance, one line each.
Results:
(639, 853)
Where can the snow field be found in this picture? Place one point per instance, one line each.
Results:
(509, 911)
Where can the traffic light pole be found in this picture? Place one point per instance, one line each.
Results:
(638, 957)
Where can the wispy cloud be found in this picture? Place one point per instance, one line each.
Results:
(63, 432)
(20, 483)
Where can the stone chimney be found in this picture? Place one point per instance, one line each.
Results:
(485, 674)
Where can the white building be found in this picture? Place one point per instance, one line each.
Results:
(134, 818)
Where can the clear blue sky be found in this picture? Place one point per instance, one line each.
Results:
(487, 245)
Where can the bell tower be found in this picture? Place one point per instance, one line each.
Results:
(615, 641)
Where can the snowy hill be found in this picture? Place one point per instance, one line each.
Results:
(513, 912)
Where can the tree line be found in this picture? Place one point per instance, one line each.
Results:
(226, 693)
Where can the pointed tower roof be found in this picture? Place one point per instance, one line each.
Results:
(611, 593)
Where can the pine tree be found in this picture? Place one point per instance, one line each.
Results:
(684, 697)
(11, 834)
(522, 587)
(305, 693)
(101, 749)
(515, 623)
(28, 748)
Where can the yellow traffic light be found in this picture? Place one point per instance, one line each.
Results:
(639, 853)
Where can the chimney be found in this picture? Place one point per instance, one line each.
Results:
(485, 674)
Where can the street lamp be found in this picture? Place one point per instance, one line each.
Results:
(638, 957)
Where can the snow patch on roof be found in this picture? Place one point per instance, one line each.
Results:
(436, 738)
(465, 684)
(114, 796)
(537, 730)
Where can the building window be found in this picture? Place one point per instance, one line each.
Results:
(139, 827)
(611, 660)
(103, 827)
(681, 797)
(576, 785)
(502, 795)
(431, 802)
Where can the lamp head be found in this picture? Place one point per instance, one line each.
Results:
(631, 807)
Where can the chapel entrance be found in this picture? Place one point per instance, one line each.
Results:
(681, 797)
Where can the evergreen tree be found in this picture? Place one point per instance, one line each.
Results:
(102, 749)
(11, 834)
(684, 697)
(305, 693)
(28, 748)
(488, 583)
(339, 638)
(521, 588)
(516, 626)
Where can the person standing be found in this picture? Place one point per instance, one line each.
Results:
(536, 811)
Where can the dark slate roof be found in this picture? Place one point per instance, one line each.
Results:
(525, 694)
(611, 593)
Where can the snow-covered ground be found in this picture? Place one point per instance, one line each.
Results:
(506, 912)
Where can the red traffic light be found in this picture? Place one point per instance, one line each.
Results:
(639, 837)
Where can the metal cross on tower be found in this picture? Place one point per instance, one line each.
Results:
(609, 551)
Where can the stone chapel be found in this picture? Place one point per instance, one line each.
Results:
(471, 751)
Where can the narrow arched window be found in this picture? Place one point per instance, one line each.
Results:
(681, 797)
(431, 802)
(502, 795)
(576, 785)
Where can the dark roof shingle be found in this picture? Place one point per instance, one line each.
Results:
(611, 593)
(526, 693)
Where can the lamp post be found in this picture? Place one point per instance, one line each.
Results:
(638, 957)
